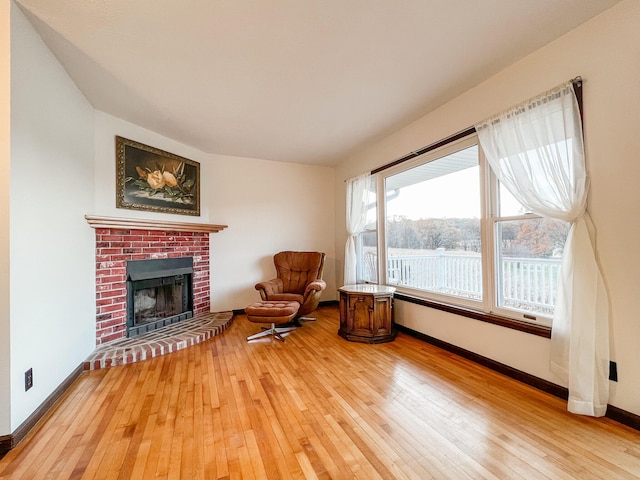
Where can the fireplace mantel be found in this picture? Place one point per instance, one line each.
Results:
(141, 224)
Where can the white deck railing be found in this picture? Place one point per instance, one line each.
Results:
(526, 283)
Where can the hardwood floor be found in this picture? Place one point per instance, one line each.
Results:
(316, 406)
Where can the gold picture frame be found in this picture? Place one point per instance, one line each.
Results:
(151, 179)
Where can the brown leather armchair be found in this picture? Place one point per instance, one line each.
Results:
(299, 279)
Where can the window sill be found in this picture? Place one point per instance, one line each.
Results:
(540, 330)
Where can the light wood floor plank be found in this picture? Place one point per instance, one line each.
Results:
(316, 406)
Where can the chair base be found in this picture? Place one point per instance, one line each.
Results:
(273, 331)
(297, 322)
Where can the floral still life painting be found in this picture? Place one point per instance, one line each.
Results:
(155, 180)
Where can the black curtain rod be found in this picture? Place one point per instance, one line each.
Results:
(577, 87)
(426, 149)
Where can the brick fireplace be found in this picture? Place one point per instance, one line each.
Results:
(121, 240)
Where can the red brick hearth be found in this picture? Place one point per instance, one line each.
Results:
(159, 342)
(114, 246)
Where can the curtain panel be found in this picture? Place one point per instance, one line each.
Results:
(536, 151)
(356, 222)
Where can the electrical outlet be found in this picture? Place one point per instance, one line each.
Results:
(28, 379)
(613, 371)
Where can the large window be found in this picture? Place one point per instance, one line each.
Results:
(450, 233)
(528, 252)
(432, 226)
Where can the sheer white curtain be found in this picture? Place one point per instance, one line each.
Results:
(536, 151)
(356, 221)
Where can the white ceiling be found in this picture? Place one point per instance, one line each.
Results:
(306, 81)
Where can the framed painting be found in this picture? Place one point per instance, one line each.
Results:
(151, 179)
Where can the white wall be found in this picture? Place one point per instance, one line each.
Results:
(268, 206)
(606, 53)
(52, 299)
(5, 167)
(106, 129)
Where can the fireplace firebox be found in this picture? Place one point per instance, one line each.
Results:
(159, 293)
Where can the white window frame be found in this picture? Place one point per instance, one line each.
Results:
(493, 220)
(488, 224)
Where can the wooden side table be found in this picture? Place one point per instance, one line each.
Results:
(366, 313)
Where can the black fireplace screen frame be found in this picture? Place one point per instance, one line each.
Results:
(155, 273)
